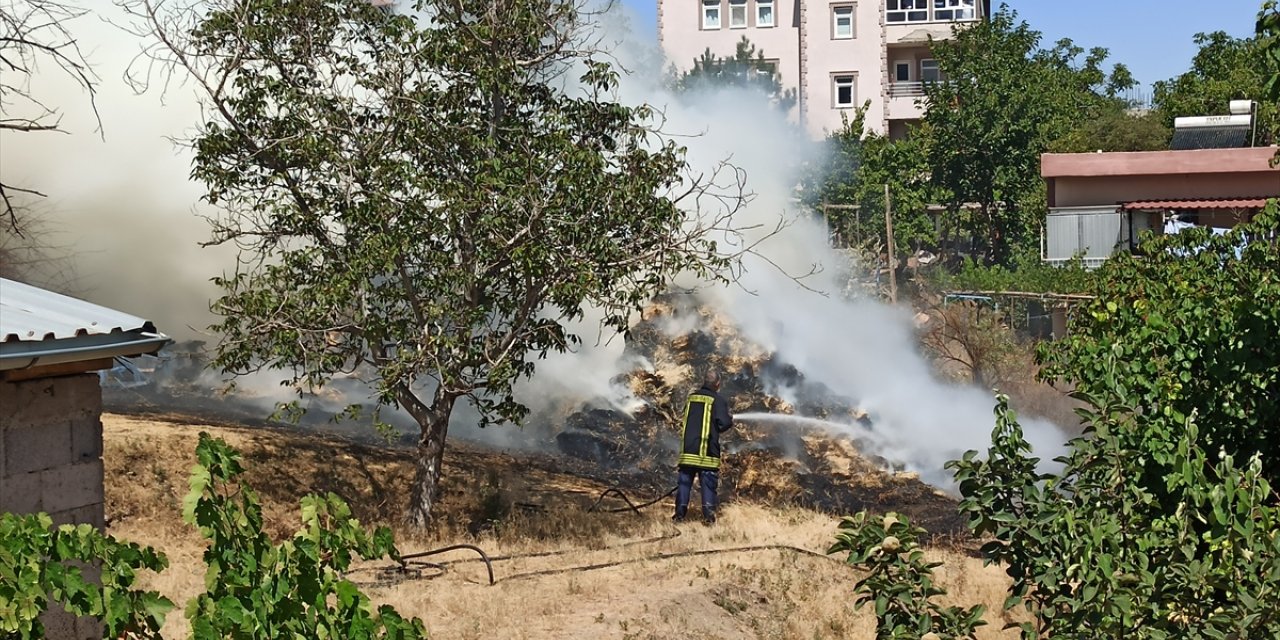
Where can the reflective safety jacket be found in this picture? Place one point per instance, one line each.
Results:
(706, 416)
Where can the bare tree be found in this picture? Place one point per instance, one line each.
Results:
(35, 33)
(30, 253)
(974, 338)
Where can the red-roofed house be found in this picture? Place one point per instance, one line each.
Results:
(1099, 203)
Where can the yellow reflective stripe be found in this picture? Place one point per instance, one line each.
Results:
(688, 459)
(684, 426)
(701, 459)
(706, 423)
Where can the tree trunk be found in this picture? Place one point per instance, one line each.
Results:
(434, 423)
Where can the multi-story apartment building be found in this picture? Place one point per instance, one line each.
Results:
(837, 54)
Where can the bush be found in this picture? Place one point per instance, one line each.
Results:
(40, 565)
(1139, 532)
(294, 589)
(1115, 545)
(900, 581)
(1192, 326)
(255, 589)
(1027, 273)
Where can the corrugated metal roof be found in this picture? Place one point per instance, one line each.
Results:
(1223, 203)
(29, 314)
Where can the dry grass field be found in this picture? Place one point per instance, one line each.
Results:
(523, 506)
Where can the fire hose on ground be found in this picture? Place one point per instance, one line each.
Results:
(408, 570)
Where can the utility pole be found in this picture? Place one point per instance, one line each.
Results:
(888, 232)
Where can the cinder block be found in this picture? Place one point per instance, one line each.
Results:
(94, 514)
(89, 628)
(35, 447)
(82, 394)
(86, 438)
(46, 400)
(60, 624)
(72, 486)
(30, 401)
(60, 518)
(89, 514)
(21, 493)
(8, 400)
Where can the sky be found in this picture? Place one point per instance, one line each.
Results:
(1152, 37)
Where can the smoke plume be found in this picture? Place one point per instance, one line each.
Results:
(127, 206)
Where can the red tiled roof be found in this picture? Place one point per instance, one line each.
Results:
(1225, 203)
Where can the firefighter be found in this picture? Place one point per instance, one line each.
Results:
(706, 416)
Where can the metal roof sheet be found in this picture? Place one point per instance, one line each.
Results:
(1220, 203)
(29, 314)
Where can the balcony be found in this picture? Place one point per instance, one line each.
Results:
(906, 101)
(919, 21)
(906, 90)
(926, 11)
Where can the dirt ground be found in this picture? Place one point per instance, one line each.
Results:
(593, 575)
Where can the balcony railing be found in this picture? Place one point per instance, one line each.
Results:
(906, 89)
(908, 12)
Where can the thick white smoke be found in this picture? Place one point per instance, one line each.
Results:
(862, 349)
(132, 214)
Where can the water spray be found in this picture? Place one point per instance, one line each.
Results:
(800, 421)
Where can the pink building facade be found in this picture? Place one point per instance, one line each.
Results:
(837, 54)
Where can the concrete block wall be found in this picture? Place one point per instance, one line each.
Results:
(51, 462)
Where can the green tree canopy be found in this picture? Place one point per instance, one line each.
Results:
(1116, 129)
(1161, 522)
(746, 69)
(427, 205)
(1005, 99)
(1224, 69)
(1269, 41)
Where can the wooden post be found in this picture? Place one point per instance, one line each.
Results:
(888, 232)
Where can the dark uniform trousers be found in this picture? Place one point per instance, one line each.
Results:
(708, 481)
(706, 416)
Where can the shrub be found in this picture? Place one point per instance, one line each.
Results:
(41, 565)
(255, 589)
(900, 581)
(1120, 544)
(294, 589)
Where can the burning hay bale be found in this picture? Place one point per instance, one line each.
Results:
(613, 439)
(764, 475)
(777, 464)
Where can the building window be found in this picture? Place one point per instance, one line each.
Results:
(737, 14)
(843, 94)
(764, 13)
(953, 10)
(902, 71)
(907, 10)
(710, 14)
(929, 71)
(842, 22)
